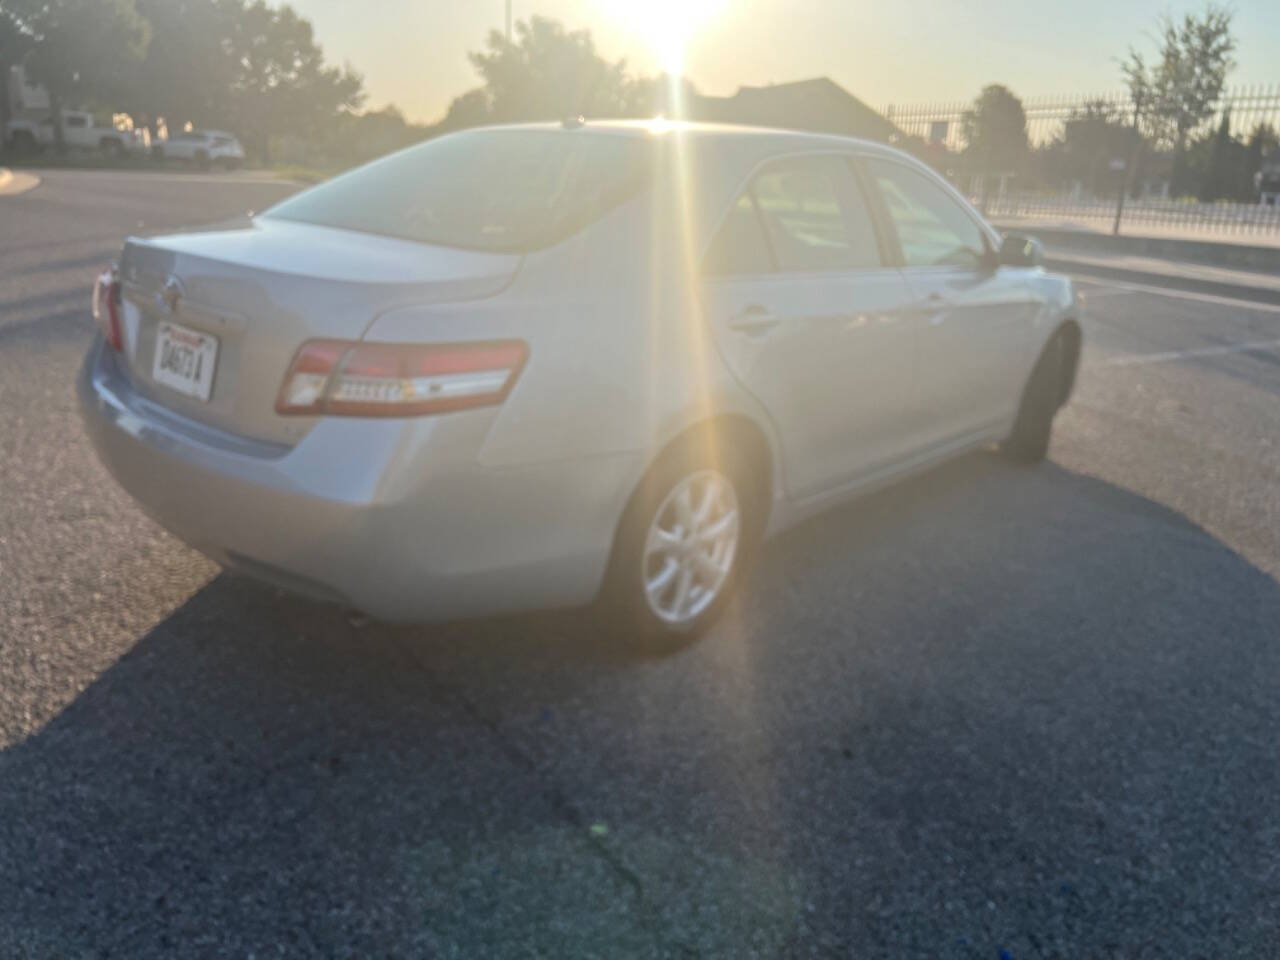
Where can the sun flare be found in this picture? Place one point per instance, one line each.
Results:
(665, 26)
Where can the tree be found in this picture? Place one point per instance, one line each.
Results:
(13, 46)
(995, 130)
(186, 74)
(1225, 154)
(1090, 139)
(78, 48)
(279, 81)
(356, 137)
(995, 133)
(1181, 91)
(1263, 145)
(471, 109)
(548, 73)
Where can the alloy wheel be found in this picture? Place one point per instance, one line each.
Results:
(691, 547)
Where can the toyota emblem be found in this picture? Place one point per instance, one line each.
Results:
(172, 293)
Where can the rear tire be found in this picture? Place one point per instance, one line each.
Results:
(677, 525)
(1044, 395)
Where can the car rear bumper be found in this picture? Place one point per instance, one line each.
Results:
(394, 517)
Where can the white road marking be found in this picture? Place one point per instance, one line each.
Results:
(1135, 359)
(1118, 286)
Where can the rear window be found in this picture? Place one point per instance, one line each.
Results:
(498, 190)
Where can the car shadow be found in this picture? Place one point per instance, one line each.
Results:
(992, 708)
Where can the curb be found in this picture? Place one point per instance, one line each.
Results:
(1214, 288)
(12, 183)
(1239, 256)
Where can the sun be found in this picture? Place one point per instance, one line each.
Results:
(664, 26)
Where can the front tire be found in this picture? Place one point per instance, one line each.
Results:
(685, 541)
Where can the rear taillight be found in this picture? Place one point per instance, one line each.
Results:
(106, 306)
(355, 379)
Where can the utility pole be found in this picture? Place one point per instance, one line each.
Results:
(508, 21)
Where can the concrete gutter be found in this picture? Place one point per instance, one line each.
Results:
(12, 183)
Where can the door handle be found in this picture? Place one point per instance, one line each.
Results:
(937, 306)
(754, 321)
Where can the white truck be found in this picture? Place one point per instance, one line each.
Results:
(31, 126)
(79, 131)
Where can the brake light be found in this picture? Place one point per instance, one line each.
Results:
(106, 306)
(356, 379)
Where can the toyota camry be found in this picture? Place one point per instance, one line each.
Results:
(550, 365)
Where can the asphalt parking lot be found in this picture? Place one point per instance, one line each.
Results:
(995, 711)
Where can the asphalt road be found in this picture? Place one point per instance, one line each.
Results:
(997, 710)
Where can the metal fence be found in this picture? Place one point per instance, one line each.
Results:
(1084, 152)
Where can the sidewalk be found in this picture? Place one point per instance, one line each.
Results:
(1224, 234)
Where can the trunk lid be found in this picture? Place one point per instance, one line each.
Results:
(262, 287)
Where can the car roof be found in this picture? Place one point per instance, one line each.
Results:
(769, 137)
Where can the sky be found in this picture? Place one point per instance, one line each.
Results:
(412, 53)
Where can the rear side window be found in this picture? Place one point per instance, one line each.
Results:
(815, 215)
(498, 190)
(933, 229)
(740, 246)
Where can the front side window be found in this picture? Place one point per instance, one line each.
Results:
(933, 229)
(815, 216)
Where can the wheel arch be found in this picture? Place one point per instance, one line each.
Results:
(727, 430)
(1068, 328)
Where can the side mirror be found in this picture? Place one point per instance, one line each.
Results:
(1019, 250)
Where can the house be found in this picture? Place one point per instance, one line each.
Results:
(819, 105)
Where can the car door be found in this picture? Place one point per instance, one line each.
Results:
(76, 131)
(809, 317)
(976, 319)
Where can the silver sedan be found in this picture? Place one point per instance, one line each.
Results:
(542, 366)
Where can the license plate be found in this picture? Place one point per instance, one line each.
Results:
(184, 360)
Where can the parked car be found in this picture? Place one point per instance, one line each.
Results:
(204, 148)
(79, 131)
(538, 366)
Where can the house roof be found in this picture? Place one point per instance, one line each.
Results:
(818, 105)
